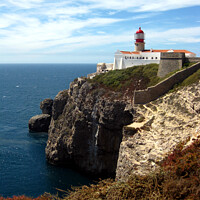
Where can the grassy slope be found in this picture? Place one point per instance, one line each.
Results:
(136, 78)
(139, 77)
(188, 81)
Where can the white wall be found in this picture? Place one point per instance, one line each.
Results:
(122, 61)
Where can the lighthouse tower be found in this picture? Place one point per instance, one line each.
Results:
(139, 40)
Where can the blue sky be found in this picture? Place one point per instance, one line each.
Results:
(90, 31)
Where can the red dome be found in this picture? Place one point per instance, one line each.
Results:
(139, 31)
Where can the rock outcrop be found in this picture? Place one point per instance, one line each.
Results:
(86, 128)
(46, 106)
(158, 127)
(39, 123)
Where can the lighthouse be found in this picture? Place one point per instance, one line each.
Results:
(139, 40)
(142, 56)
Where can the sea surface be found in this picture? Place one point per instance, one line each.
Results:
(23, 168)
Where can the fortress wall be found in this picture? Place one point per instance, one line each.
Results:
(154, 92)
(170, 62)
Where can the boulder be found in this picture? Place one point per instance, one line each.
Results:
(46, 106)
(39, 123)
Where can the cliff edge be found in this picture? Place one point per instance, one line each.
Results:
(157, 129)
(86, 128)
(95, 128)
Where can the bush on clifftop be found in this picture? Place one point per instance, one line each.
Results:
(137, 77)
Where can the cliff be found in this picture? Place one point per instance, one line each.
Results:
(97, 129)
(86, 128)
(158, 127)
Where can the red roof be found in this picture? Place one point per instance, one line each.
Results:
(168, 50)
(161, 51)
(130, 52)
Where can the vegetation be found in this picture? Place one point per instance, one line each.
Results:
(137, 77)
(188, 64)
(188, 81)
(25, 198)
(191, 79)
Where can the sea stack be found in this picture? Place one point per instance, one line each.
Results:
(40, 123)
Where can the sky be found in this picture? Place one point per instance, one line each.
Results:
(91, 31)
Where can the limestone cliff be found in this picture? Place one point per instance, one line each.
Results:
(158, 127)
(100, 132)
(86, 128)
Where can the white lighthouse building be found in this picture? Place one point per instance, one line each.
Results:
(141, 56)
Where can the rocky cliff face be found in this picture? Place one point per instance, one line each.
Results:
(87, 124)
(158, 127)
(86, 128)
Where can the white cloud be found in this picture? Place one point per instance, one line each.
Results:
(142, 5)
(25, 4)
(30, 34)
(182, 35)
(47, 27)
(159, 5)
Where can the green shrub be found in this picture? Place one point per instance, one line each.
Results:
(139, 77)
(188, 81)
(188, 64)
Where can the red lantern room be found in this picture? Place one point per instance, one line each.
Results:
(139, 40)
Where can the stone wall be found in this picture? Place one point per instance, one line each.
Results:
(170, 62)
(192, 59)
(152, 93)
(157, 128)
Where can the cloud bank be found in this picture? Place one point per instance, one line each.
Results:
(47, 27)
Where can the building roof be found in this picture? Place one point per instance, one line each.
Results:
(161, 51)
(169, 50)
(130, 52)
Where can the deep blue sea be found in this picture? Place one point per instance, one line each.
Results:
(23, 168)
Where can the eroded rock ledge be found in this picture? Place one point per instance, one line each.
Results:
(86, 128)
(158, 127)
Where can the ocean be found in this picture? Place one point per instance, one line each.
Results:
(23, 168)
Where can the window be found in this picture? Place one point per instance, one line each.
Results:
(132, 57)
(137, 57)
(151, 57)
(147, 58)
(142, 57)
(156, 58)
